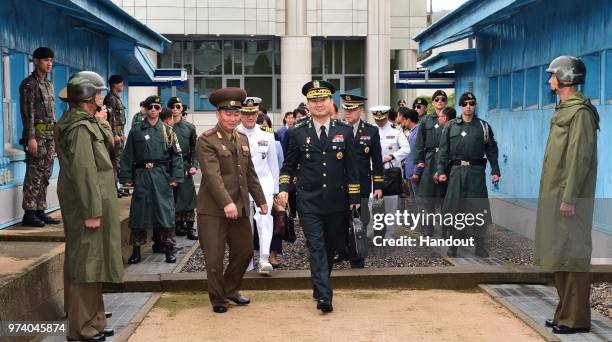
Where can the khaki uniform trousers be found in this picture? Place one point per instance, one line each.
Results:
(574, 309)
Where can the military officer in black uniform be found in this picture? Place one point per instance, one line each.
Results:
(327, 181)
(368, 155)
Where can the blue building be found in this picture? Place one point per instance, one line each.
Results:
(85, 35)
(515, 40)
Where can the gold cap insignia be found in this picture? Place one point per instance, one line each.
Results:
(315, 84)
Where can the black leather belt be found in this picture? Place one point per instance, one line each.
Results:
(469, 162)
(151, 164)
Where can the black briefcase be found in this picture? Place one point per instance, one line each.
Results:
(392, 185)
(357, 237)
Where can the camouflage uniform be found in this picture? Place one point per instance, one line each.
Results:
(138, 119)
(37, 104)
(116, 119)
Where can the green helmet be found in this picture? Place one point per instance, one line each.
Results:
(84, 85)
(568, 69)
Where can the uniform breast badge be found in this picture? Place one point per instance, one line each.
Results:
(366, 149)
(339, 155)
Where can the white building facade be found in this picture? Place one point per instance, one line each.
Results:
(272, 47)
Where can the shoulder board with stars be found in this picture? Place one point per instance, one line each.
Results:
(267, 129)
(369, 124)
(209, 132)
(340, 123)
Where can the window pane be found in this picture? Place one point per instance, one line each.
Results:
(258, 57)
(329, 54)
(165, 60)
(277, 57)
(532, 88)
(278, 93)
(354, 85)
(317, 56)
(517, 89)
(203, 86)
(237, 57)
(336, 96)
(338, 57)
(207, 57)
(232, 82)
(504, 90)
(353, 58)
(548, 98)
(608, 76)
(228, 46)
(177, 52)
(493, 92)
(259, 87)
(188, 56)
(591, 87)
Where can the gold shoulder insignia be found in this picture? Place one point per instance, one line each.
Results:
(209, 132)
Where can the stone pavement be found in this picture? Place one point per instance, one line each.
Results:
(536, 303)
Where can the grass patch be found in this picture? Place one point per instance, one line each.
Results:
(176, 302)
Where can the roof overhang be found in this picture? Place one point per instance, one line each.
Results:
(423, 79)
(447, 60)
(465, 21)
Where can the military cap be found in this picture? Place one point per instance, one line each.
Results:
(43, 52)
(316, 89)
(467, 96)
(419, 101)
(251, 105)
(153, 99)
(380, 112)
(401, 103)
(439, 93)
(142, 103)
(230, 98)
(352, 101)
(174, 100)
(115, 79)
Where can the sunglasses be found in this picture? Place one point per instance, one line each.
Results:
(468, 103)
(154, 106)
(418, 106)
(440, 99)
(178, 106)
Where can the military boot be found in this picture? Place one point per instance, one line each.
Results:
(135, 258)
(46, 218)
(170, 257)
(191, 231)
(179, 228)
(31, 220)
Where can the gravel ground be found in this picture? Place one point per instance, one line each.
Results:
(509, 246)
(601, 298)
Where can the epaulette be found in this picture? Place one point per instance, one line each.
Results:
(209, 132)
(267, 129)
(393, 125)
(369, 124)
(340, 123)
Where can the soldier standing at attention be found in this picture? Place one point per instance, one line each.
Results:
(368, 154)
(327, 181)
(185, 195)
(223, 199)
(139, 117)
(116, 118)
(86, 192)
(152, 163)
(37, 105)
(420, 105)
(464, 143)
(564, 222)
(265, 161)
(427, 145)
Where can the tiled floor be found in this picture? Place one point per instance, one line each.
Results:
(155, 263)
(539, 302)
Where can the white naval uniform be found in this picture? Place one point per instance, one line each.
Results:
(393, 142)
(265, 161)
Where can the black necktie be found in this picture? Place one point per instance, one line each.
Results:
(323, 136)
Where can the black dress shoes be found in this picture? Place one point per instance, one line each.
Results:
(219, 309)
(108, 314)
(108, 332)
(135, 258)
(325, 305)
(549, 323)
(239, 299)
(562, 329)
(46, 218)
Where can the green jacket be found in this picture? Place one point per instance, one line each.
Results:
(86, 189)
(187, 137)
(426, 145)
(569, 173)
(150, 161)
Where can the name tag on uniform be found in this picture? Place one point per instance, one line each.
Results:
(147, 137)
(463, 134)
(338, 138)
(390, 136)
(262, 143)
(436, 126)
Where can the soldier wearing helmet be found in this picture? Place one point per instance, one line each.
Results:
(86, 192)
(567, 189)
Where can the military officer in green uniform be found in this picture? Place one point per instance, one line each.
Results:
(87, 195)
(223, 199)
(185, 195)
(368, 155)
(37, 105)
(564, 222)
(116, 118)
(327, 183)
(139, 117)
(427, 145)
(420, 105)
(464, 143)
(153, 164)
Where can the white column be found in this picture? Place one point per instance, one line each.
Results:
(406, 60)
(378, 42)
(296, 63)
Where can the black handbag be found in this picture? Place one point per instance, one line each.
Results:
(392, 184)
(289, 234)
(357, 237)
